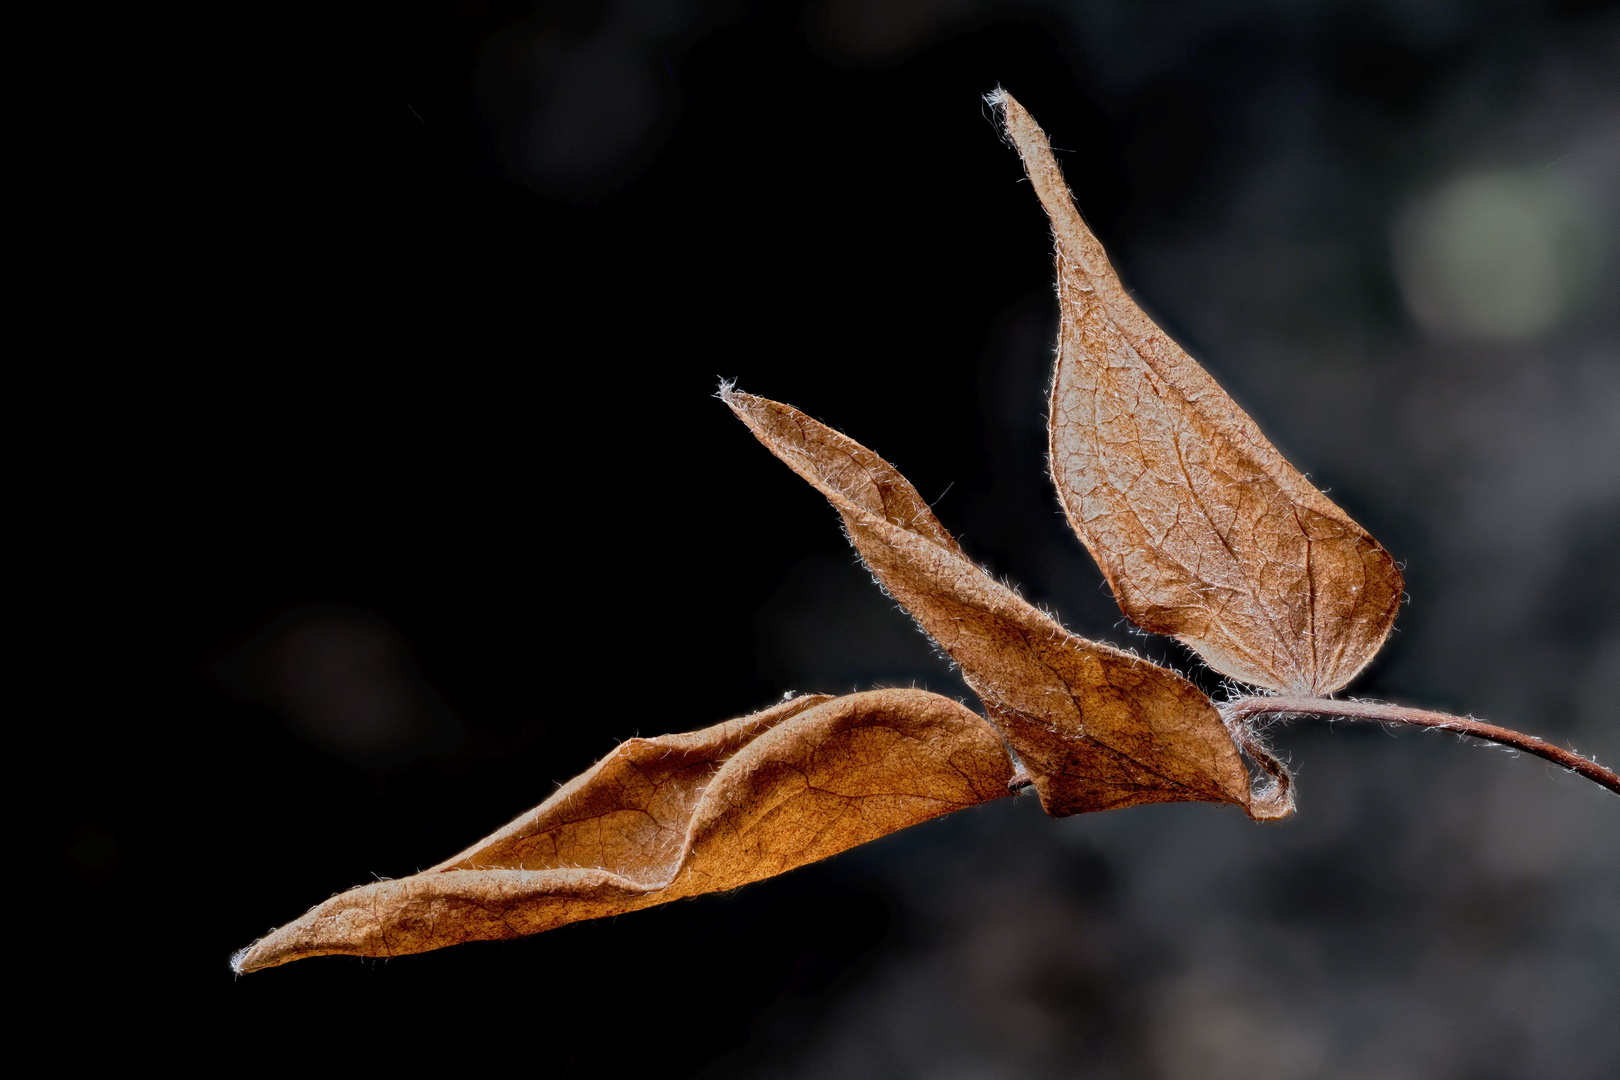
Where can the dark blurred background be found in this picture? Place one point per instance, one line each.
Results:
(381, 489)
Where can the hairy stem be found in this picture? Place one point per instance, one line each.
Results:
(1244, 709)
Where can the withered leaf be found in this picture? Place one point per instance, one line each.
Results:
(665, 818)
(1203, 530)
(1096, 728)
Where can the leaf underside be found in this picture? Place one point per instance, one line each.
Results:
(661, 819)
(1203, 530)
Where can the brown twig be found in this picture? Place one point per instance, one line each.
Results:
(1243, 709)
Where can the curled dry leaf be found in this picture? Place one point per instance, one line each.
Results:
(1095, 728)
(1203, 530)
(660, 819)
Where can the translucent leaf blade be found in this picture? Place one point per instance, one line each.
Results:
(1202, 528)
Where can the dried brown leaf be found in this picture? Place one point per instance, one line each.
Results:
(665, 818)
(1096, 728)
(1204, 531)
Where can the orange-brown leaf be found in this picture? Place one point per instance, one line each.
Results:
(1096, 728)
(1204, 531)
(665, 818)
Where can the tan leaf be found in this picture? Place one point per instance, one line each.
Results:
(1096, 728)
(660, 819)
(1203, 530)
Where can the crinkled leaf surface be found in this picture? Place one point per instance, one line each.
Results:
(1096, 728)
(660, 819)
(1204, 531)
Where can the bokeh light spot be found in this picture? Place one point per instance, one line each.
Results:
(1496, 254)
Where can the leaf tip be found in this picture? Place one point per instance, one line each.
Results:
(1013, 116)
(272, 950)
(1007, 113)
(243, 961)
(735, 400)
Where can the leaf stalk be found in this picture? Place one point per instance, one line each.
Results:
(1243, 710)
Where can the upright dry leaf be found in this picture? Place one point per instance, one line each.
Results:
(660, 819)
(1096, 728)
(1203, 530)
